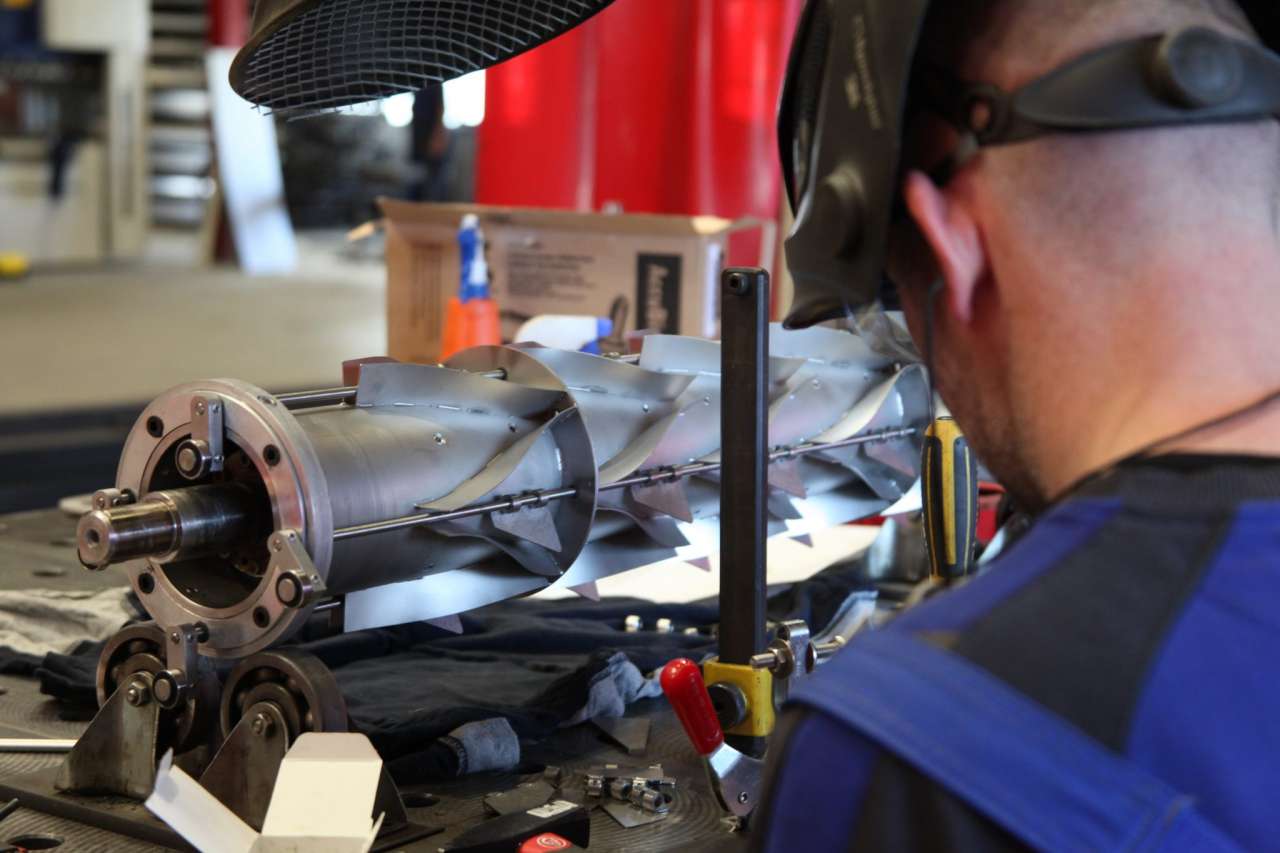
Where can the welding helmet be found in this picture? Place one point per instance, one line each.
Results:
(854, 82)
(310, 56)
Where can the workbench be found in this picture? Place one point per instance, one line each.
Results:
(36, 550)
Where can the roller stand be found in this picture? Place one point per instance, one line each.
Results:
(119, 752)
(268, 700)
(150, 704)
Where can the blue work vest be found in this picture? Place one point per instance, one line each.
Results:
(1201, 766)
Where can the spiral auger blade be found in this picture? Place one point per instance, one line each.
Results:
(653, 430)
(428, 491)
(507, 439)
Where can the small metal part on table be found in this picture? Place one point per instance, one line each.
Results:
(521, 798)
(506, 832)
(648, 798)
(610, 772)
(36, 744)
(629, 817)
(631, 733)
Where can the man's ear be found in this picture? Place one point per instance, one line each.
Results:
(953, 236)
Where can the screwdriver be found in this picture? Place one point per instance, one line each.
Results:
(949, 486)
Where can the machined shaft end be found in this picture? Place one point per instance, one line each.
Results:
(181, 523)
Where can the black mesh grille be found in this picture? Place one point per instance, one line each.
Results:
(335, 53)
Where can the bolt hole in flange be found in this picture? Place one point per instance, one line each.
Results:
(155, 427)
(271, 455)
(146, 583)
(35, 842)
(261, 617)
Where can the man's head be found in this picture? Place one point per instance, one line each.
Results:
(1066, 261)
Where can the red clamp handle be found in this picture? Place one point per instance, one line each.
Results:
(682, 682)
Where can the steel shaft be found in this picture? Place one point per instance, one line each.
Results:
(180, 522)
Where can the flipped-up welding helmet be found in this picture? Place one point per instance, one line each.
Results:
(854, 81)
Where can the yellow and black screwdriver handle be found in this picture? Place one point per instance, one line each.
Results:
(950, 494)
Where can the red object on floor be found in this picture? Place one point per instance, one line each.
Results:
(660, 106)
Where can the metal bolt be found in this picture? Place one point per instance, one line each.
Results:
(262, 725)
(137, 694)
(201, 408)
(663, 626)
(764, 660)
(288, 590)
(743, 797)
(440, 439)
(163, 690)
(188, 460)
(175, 637)
(633, 624)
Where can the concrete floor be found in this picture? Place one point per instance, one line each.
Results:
(118, 336)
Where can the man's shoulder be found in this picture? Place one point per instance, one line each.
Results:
(1095, 614)
(1078, 612)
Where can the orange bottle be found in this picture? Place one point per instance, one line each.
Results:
(471, 319)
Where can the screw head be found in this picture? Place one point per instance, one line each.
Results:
(440, 440)
(262, 725)
(201, 408)
(743, 797)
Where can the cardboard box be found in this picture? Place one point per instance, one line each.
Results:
(323, 801)
(666, 268)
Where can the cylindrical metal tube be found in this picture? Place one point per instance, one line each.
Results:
(181, 522)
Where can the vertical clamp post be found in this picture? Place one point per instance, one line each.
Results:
(744, 438)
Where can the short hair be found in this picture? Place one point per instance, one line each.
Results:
(1010, 42)
(972, 34)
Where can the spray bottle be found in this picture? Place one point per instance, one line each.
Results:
(472, 317)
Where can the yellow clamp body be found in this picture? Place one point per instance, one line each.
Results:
(756, 685)
(950, 499)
